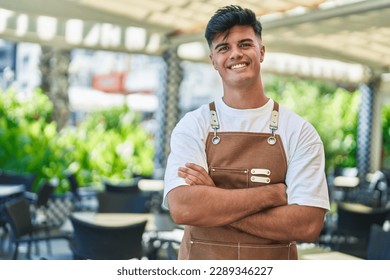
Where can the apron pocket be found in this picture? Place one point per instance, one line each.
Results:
(237, 178)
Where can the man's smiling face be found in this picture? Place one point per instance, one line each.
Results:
(237, 55)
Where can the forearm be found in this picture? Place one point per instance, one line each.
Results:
(210, 206)
(284, 223)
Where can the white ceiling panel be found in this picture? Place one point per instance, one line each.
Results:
(351, 31)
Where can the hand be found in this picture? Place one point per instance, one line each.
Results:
(195, 175)
(279, 195)
(276, 194)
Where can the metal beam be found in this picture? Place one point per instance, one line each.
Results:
(65, 10)
(324, 14)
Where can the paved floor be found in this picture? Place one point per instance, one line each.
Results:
(59, 251)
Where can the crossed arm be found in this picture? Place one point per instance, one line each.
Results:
(261, 211)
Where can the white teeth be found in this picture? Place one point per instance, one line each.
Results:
(238, 66)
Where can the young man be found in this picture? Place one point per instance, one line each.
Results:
(245, 175)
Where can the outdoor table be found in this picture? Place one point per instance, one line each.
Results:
(7, 191)
(151, 185)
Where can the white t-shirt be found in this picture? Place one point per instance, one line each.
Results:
(305, 178)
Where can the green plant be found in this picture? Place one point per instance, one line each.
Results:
(111, 144)
(386, 135)
(108, 144)
(25, 132)
(333, 111)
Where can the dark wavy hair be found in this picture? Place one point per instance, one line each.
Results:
(227, 17)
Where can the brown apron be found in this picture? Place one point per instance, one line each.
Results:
(240, 160)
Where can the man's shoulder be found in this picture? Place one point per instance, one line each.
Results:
(195, 118)
(287, 114)
(295, 122)
(200, 113)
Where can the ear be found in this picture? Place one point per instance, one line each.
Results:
(262, 53)
(213, 62)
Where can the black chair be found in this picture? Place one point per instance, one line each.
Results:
(379, 189)
(3, 220)
(13, 178)
(168, 236)
(96, 242)
(353, 227)
(82, 196)
(39, 209)
(22, 227)
(4, 232)
(20, 221)
(113, 202)
(378, 244)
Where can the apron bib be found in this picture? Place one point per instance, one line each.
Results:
(240, 160)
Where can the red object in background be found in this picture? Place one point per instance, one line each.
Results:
(110, 83)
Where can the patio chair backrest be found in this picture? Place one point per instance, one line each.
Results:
(97, 242)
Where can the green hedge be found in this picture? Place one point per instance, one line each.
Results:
(333, 111)
(108, 144)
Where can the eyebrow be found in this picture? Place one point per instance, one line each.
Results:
(224, 43)
(219, 45)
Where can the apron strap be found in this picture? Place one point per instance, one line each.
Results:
(214, 123)
(213, 116)
(273, 125)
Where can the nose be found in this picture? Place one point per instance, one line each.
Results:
(236, 53)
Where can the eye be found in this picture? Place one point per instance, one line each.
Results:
(223, 49)
(245, 45)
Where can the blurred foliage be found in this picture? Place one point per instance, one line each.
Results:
(112, 144)
(108, 144)
(332, 110)
(386, 135)
(26, 135)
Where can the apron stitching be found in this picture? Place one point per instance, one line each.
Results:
(241, 245)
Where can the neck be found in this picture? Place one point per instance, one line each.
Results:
(245, 97)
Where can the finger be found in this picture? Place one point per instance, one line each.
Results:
(195, 180)
(189, 181)
(183, 170)
(192, 172)
(197, 170)
(196, 174)
(195, 167)
(181, 174)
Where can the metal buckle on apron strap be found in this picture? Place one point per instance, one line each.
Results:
(273, 125)
(214, 126)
